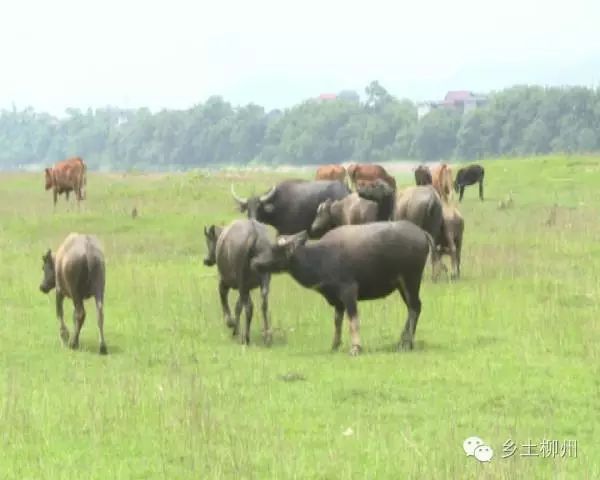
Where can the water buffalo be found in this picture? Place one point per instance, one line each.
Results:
(232, 249)
(331, 172)
(356, 262)
(452, 237)
(350, 210)
(423, 207)
(78, 272)
(291, 206)
(364, 172)
(441, 179)
(382, 194)
(422, 175)
(468, 176)
(67, 176)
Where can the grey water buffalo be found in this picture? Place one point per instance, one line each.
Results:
(382, 194)
(231, 249)
(468, 176)
(291, 206)
(350, 210)
(422, 175)
(451, 239)
(77, 271)
(356, 262)
(423, 207)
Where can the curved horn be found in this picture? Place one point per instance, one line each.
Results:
(267, 196)
(240, 200)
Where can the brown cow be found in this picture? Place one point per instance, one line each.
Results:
(363, 173)
(331, 172)
(67, 176)
(441, 179)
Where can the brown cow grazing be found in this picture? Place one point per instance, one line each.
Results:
(67, 176)
(362, 173)
(350, 210)
(452, 237)
(331, 172)
(441, 179)
(78, 272)
(422, 175)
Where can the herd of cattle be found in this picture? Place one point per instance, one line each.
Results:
(367, 239)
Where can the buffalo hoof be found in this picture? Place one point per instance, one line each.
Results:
(230, 323)
(103, 350)
(268, 338)
(405, 345)
(73, 345)
(335, 346)
(355, 350)
(64, 336)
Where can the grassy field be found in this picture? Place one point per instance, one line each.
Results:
(510, 352)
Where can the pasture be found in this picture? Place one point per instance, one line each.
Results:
(508, 352)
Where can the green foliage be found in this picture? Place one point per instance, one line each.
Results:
(519, 120)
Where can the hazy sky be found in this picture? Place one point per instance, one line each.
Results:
(130, 53)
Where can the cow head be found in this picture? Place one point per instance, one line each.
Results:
(277, 257)
(211, 234)
(49, 182)
(257, 207)
(49, 279)
(322, 221)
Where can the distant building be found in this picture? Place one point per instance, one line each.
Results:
(463, 101)
(325, 97)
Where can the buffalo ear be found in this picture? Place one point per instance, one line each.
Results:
(269, 207)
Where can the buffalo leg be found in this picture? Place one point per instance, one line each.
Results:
(223, 294)
(67, 196)
(350, 303)
(458, 252)
(481, 190)
(409, 290)
(78, 319)
(100, 318)
(63, 332)
(238, 312)
(264, 293)
(249, 309)
(337, 334)
(55, 196)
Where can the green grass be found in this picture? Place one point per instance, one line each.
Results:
(509, 352)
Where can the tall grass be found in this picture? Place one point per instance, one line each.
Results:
(508, 352)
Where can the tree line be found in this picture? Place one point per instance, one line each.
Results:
(520, 120)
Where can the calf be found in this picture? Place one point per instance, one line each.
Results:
(351, 210)
(469, 176)
(356, 262)
(452, 237)
(78, 272)
(232, 248)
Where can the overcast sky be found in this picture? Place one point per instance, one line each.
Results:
(130, 53)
